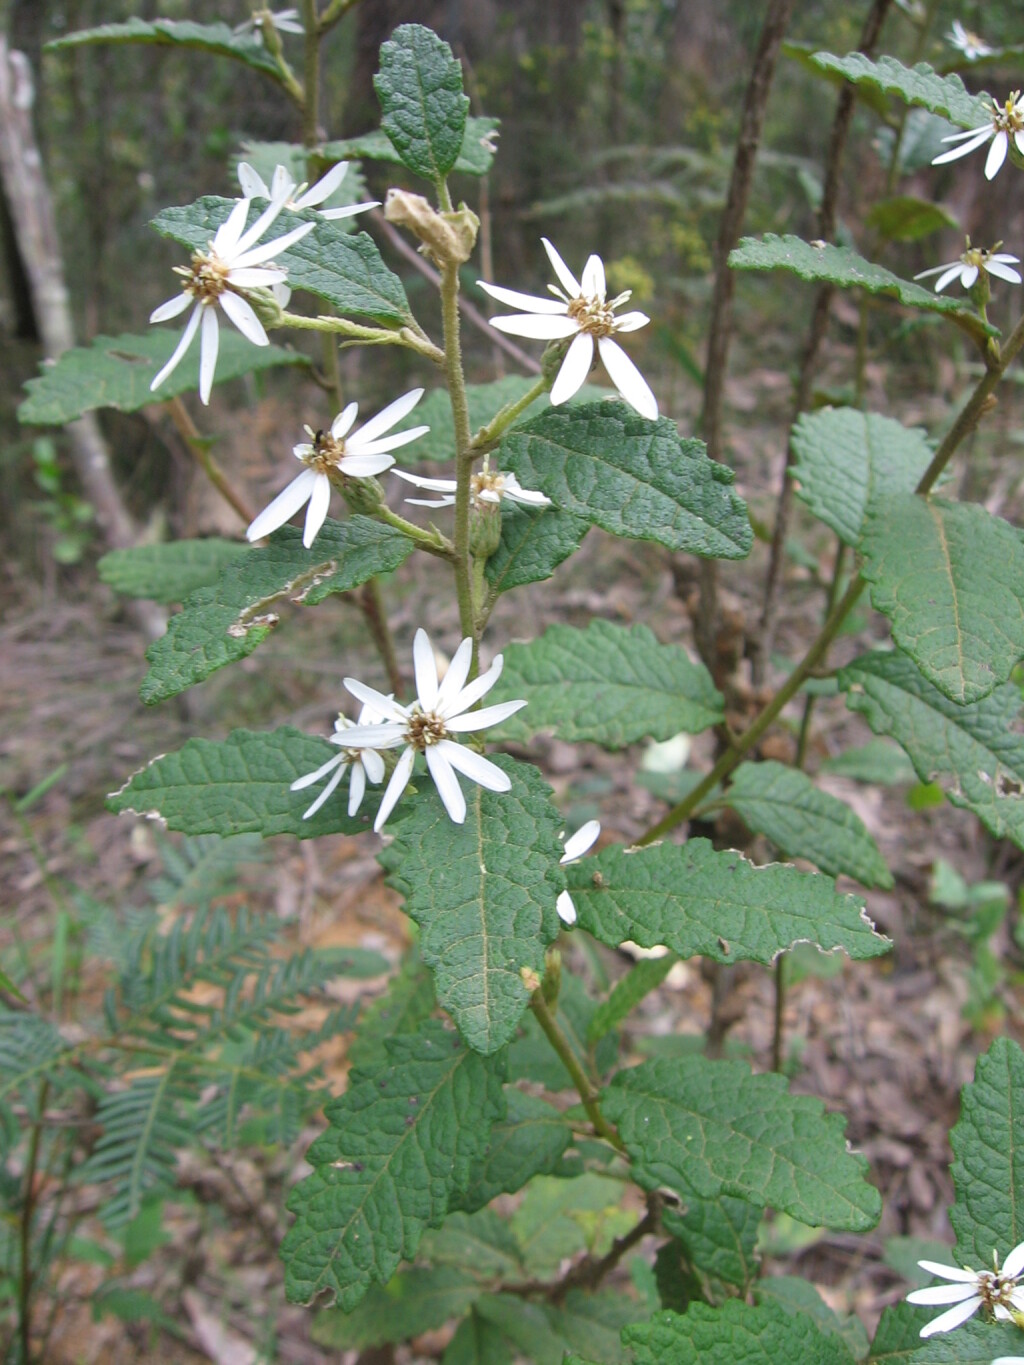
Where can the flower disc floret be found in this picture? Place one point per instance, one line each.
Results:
(997, 1290)
(487, 488)
(579, 310)
(431, 724)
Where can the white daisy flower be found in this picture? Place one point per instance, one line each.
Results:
(581, 311)
(995, 1289)
(486, 486)
(366, 764)
(974, 261)
(285, 21)
(355, 454)
(575, 846)
(232, 263)
(967, 42)
(1005, 121)
(298, 196)
(429, 725)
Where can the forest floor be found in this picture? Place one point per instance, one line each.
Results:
(887, 1043)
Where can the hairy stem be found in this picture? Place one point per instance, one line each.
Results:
(488, 436)
(588, 1093)
(27, 1275)
(311, 74)
(200, 448)
(464, 453)
(335, 11)
(371, 604)
(413, 337)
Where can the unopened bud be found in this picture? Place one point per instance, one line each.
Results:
(551, 360)
(362, 495)
(267, 307)
(530, 979)
(447, 238)
(485, 529)
(552, 977)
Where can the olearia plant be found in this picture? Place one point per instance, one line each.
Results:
(453, 1099)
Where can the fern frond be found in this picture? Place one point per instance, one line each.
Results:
(30, 1050)
(198, 870)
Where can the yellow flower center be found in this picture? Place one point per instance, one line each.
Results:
(424, 729)
(486, 481)
(327, 452)
(1008, 118)
(206, 277)
(593, 315)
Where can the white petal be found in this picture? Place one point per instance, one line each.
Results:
(630, 322)
(425, 670)
(566, 278)
(324, 187)
(225, 239)
(209, 344)
(475, 766)
(348, 210)
(945, 1322)
(593, 281)
(316, 512)
(950, 274)
(255, 231)
(964, 149)
(627, 378)
(284, 506)
(1014, 1263)
(342, 424)
(384, 734)
(173, 308)
(310, 778)
(183, 344)
(384, 443)
(536, 327)
(480, 720)
(935, 270)
(431, 502)
(566, 908)
(965, 133)
(996, 154)
(454, 679)
(326, 794)
(395, 788)
(364, 466)
(256, 276)
(968, 274)
(944, 1293)
(577, 844)
(356, 788)
(252, 183)
(1018, 137)
(240, 312)
(382, 705)
(447, 783)
(949, 1272)
(527, 496)
(529, 303)
(473, 691)
(575, 368)
(434, 485)
(258, 255)
(374, 765)
(387, 417)
(1001, 271)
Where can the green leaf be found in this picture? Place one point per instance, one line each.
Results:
(401, 1143)
(877, 762)
(413, 1301)
(975, 752)
(644, 976)
(735, 1334)
(419, 86)
(543, 1332)
(477, 1342)
(475, 158)
(919, 85)
(169, 572)
(950, 578)
(533, 544)
(608, 683)
(988, 1158)
(218, 38)
(799, 1297)
(221, 624)
(343, 267)
(483, 894)
(116, 372)
(714, 1127)
(632, 477)
(237, 786)
(784, 804)
(898, 1339)
(846, 458)
(841, 266)
(904, 218)
(720, 1237)
(408, 1001)
(481, 1244)
(554, 1216)
(529, 1141)
(696, 900)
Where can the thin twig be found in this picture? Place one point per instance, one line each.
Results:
(199, 447)
(588, 1093)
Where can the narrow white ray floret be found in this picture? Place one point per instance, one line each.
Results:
(575, 846)
(298, 196)
(366, 765)
(579, 309)
(285, 21)
(973, 262)
(431, 726)
(486, 487)
(997, 1290)
(1006, 121)
(354, 454)
(216, 280)
(967, 42)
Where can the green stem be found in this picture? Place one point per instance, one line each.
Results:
(371, 604)
(311, 71)
(189, 433)
(463, 450)
(432, 541)
(413, 337)
(336, 10)
(27, 1275)
(780, 1010)
(487, 437)
(587, 1091)
(444, 197)
(809, 700)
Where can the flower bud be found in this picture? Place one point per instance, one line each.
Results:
(552, 982)
(485, 529)
(447, 238)
(362, 495)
